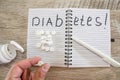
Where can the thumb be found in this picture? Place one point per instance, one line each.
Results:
(41, 72)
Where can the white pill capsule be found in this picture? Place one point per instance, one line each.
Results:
(46, 48)
(49, 37)
(40, 32)
(49, 43)
(43, 47)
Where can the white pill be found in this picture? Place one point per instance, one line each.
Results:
(53, 32)
(49, 39)
(40, 63)
(46, 48)
(43, 47)
(49, 43)
(38, 45)
(40, 32)
(51, 49)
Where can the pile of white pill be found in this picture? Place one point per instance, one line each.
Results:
(46, 41)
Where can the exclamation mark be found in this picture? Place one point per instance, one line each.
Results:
(105, 20)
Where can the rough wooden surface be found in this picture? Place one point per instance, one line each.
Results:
(13, 26)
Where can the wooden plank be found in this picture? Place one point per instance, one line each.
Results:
(13, 26)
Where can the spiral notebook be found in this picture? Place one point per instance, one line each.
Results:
(89, 25)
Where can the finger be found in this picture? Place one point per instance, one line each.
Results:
(41, 72)
(14, 74)
(26, 74)
(28, 62)
(18, 68)
(31, 76)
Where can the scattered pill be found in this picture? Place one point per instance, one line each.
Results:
(46, 40)
(43, 47)
(42, 32)
(39, 32)
(49, 38)
(46, 48)
(49, 43)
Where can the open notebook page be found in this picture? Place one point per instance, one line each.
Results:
(96, 36)
(56, 57)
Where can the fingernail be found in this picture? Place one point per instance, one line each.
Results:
(46, 67)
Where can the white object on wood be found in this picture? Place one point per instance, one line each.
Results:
(98, 52)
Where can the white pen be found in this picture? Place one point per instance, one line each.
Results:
(98, 52)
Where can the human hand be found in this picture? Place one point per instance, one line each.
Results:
(21, 71)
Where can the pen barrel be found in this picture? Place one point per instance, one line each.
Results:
(112, 62)
(98, 52)
(105, 57)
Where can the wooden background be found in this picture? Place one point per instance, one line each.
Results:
(13, 26)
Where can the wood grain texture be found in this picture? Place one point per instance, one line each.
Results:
(13, 26)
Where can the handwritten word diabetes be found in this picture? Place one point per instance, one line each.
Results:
(77, 21)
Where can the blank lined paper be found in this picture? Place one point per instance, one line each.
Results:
(96, 36)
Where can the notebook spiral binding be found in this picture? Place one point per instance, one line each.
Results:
(68, 38)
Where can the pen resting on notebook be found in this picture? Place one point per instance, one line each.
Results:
(98, 52)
